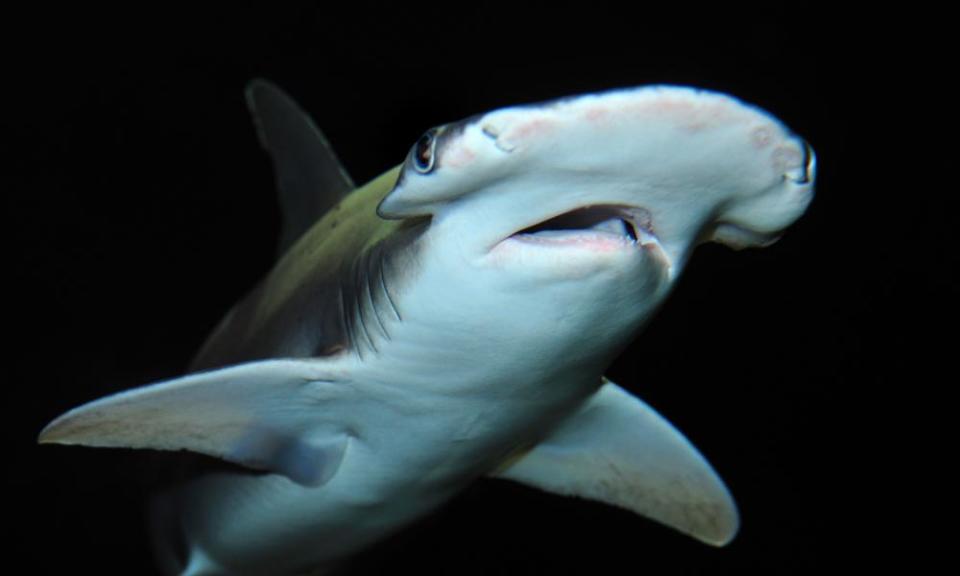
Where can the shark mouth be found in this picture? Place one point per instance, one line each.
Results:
(604, 222)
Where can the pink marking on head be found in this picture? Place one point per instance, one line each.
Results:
(596, 114)
(672, 106)
(679, 110)
(531, 128)
(458, 156)
(687, 113)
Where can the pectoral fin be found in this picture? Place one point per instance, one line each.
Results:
(618, 450)
(276, 415)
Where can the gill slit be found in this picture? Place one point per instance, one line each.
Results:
(372, 300)
(358, 283)
(347, 320)
(383, 286)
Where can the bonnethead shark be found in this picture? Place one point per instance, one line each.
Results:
(452, 319)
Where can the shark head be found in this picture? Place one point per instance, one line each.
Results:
(599, 176)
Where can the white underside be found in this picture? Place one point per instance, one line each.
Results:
(439, 408)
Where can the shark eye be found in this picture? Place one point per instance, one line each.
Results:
(423, 152)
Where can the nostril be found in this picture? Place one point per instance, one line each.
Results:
(804, 173)
(630, 229)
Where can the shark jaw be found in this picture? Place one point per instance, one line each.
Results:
(593, 225)
(594, 233)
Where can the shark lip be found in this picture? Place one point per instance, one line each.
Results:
(599, 222)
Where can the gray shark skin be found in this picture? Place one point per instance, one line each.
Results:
(452, 319)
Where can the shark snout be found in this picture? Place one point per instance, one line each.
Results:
(760, 219)
(804, 172)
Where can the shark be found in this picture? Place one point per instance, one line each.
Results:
(452, 320)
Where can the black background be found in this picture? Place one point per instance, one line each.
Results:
(137, 207)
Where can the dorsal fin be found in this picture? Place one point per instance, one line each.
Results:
(310, 179)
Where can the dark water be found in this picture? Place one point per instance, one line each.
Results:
(140, 208)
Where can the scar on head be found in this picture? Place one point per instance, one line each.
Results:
(761, 137)
(493, 133)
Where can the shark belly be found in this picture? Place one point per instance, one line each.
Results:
(419, 456)
(449, 407)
